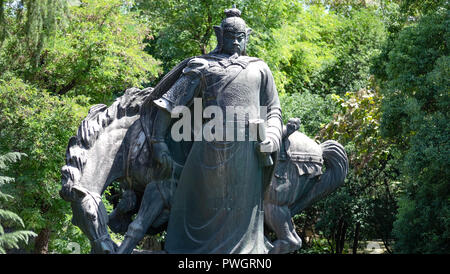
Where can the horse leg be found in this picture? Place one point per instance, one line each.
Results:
(151, 207)
(120, 218)
(278, 218)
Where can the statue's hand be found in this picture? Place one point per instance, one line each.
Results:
(267, 146)
(163, 161)
(264, 149)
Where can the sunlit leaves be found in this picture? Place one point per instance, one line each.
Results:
(99, 54)
(39, 124)
(415, 112)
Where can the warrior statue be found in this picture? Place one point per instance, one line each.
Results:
(218, 204)
(213, 195)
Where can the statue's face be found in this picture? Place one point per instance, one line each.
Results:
(233, 42)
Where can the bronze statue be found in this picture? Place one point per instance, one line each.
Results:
(218, 204)
(213, 194)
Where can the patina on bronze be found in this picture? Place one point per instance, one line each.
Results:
(211, 196)
(218, 204)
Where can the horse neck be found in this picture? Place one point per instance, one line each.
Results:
(105, 158)
(94, 154)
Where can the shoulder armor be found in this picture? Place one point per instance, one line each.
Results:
(195, 66)
(251, 59)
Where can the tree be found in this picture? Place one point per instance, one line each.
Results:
(97, 52)
(313, 110)
(358, 40)
(181, 28)
(299, 49)
(185, 28)
(322, 51)
(9, 240)
(34, 122)
(365, 206)
(26, 28)
(91, 54)
(306, 46)
(415, 114)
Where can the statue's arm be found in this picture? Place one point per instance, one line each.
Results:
(182, 93)
(160, 126)
(269, 98)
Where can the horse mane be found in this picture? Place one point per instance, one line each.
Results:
(96, 122)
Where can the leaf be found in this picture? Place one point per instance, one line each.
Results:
(10, 157)
(11, 217)
(12, 240)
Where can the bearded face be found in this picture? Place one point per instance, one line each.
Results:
(234, 42)
(232, 34)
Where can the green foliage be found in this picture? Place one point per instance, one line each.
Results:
(415, 113)
(116, 237)
(182, 28)
(298, 50)
(68, 237)
(425, 201)
(358, 126)
(368, 195)
(38, 124)
(90, 52)
(421, 7)
(185, 28)
(317, 246)
(26, 28)
(9, 219)
(358, 40)
(98, 53)
(346, 6)
(313, 110)
(321, 51)
(307, 47)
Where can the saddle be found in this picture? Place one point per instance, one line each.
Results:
(303, 152)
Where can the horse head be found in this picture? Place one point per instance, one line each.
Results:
(89, 213)
(92, 164)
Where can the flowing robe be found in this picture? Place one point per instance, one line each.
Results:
(218, 204)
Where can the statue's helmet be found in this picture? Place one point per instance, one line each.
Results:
(232, 23)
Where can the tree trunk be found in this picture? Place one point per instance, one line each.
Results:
(386, 245)
(41, 242)
(337, 237)
(342, 239)
(356, 238)
(340, 235)
(203, 49)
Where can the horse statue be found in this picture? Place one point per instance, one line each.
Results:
(96, 157)
(298, 182)
(111, 145)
